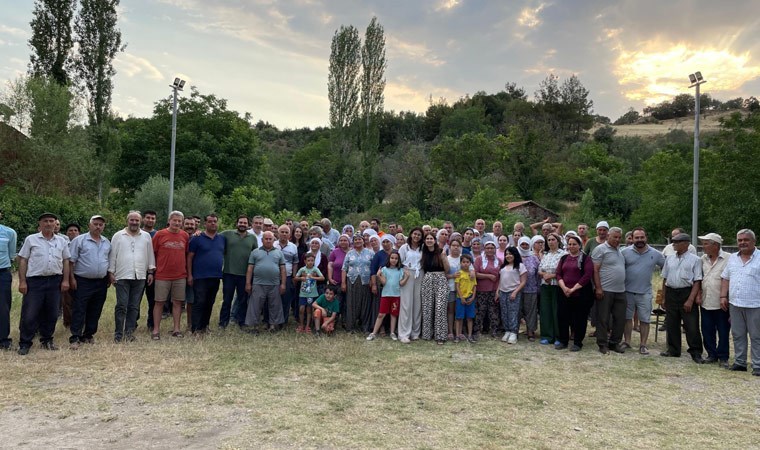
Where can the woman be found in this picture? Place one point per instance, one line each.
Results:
(455, 252)
(515, 239)
(512, 278)
(409, 318)
(435, 291)
(549, 291)
(503, 242)
(442, 239)
(299, 239)
(374, 243)
(335, 269)
(400, 240)
(574, 274)
(355, 283)
(537, 245)
(320, 261)
(532, 285)
(476, 248)
(467, 237)
(348, 230)
(487, 274)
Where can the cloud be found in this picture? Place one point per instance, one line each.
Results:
(417, 52)
(17, 32)
(447, 5)
(529, 16)
(132, 66)
(408, 94)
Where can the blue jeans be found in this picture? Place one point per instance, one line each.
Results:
(5, 307)
(89, 299)
(715, 321)
(510, 311)
(128, 296)
(39, 309)
(232, 285)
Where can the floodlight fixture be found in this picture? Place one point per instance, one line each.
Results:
(692, 78)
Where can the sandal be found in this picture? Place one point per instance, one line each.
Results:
(155, 336)
(178, 334)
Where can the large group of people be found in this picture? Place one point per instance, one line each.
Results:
(441, 285)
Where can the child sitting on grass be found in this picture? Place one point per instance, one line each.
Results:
(308, 276)
(392, 277)
(326, 310)
(466, 285)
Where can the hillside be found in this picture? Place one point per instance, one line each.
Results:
(710, 121)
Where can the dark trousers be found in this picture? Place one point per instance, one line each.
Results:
(716, 321)
(89, 299)
(39, 309)
(128, 296)
(6, 297)
(612, 304)
(674, 315)
(572, 313)
(205, 290)
(287, 298)
(232, 285)
(150, 294)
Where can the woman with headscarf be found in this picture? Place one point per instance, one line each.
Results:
(410, 318)
(434, 291)
(442, 239)
(335, 270)
(537, 246)
(374, 243)
(348, 230)
(486, 303)
(529, 309)
(574, 274)
(550, 290)
(355, 283)
(476, 248)
(320, 261)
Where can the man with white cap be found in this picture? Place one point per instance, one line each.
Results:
(602, 230)
(714, 318)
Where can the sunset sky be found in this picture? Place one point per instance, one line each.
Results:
(270, 58)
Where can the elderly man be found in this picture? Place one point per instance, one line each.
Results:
(583, 233)
(205, 259)
(240, 244)
(641, 260)
(290, 252)
(130, 263)
(89, 281)
(43, 273)
(681, 280)
(669, 250)
(265, 283)
(257, 229)
(328, 232)
(740, 291)
(609, 282)
(170, 248)
(714, 318)
(8, 239)
(480, 227)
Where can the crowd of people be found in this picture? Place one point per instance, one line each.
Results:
(433, 284)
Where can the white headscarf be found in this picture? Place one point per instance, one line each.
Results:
(524, 253)
(318, 256)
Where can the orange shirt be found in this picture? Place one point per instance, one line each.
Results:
(171, 251)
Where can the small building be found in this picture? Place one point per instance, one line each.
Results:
(532, 211)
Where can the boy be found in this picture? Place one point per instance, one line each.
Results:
(466, 286)
(326, 310)
(308, 276)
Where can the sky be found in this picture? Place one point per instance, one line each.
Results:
(270, 58)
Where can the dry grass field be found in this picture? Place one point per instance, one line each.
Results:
(709, 122)
(234, 390)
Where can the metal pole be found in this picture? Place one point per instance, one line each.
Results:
(174, 143)
(695, 193)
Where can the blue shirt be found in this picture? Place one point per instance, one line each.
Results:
(208, 255)
(639, 268)
(8, 239)
(392, 287)
(378, 261)
(90, 257)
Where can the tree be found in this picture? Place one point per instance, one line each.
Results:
(343, 79)
(189, 198)
(373, 84)
(630, 117)
(51, 40)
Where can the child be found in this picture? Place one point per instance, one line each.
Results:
(326, 310)
(512, 278)
(308, 276)
(466, 285)
(392, 277)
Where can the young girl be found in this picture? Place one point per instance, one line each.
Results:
(466, 287)
(308, 276)
(512, 278)
(392, 277)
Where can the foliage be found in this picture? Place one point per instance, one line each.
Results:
(343, 80)
(189, 198)
(630, 117)
(250, 200)
(485, 204)
(372, 84)
(51, 40)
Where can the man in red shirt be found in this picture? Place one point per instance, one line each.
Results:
(170, 246)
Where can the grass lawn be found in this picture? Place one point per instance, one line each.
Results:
(234, 390)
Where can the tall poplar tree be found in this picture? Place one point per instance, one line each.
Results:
(373, 84)
(343, 80)
(51, 40)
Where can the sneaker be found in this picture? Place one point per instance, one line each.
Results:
(471, 340)
(557, 342)
(317, 334)
(456, 340)
(544, 341)
(394, 337)
(603, 349)
(723, 363)
(117, 340)
(23, 351)
(575, 348)
(371, 337)
(512, 338)
(625, 345)
(49, 346)
(405, 340)
(643, 350)
(560, 347)
(506, 336)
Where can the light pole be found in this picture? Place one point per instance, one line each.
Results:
(696, 79)
(176, 86)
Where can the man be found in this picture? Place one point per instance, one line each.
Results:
(130, 263)
(189, 226)
(149, 222)
(257, 228)
(480, 227)
(714, 318)
(375, 225)
(170, 248)
(448, 226)
(392, 228)
(290, 252)
(496, 230)
(265, 282)
(43, 273)
(669, 250)
(148, 226)
(363, 225)
(205, 259)
(72, 231)
(268, 224)
(609, 282)
(542, 227)
(740, 293)
(240, 244)
(8, 239)
(602, 229)
(681, 279)
(328, 232)
(641, 260)
(583, 233)
(89, 281)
